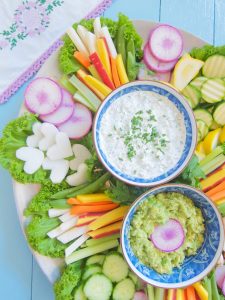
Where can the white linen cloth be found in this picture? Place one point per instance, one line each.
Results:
(29, 33)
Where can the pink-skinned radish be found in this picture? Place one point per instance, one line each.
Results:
(154, 64)
(168, 237)
(79, 124)
(220, 276)
(223, 288)
(63, 112)
(166, 43)
(140, 295)
(43, 96)
(144, 74)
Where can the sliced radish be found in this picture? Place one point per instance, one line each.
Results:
(220, 276)
(72, 234)
(144, 75)
(62, 228)
(140, 295)
(63, 112)
(223, 288)
(79, 124)
(43, 96)
(166, 43)
(55, 212)
(65, 217)
(76, 244)
(168, 237)
(153, 64)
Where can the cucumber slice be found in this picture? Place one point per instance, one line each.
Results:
(133, 276)
(214, 67)
(193, 94)
(219, 113)
(79, 294)
(115, 267)
(214, 125)
(91, 270)
(203, 129)
(124, 290)
(95, 259)
(204, 115)
(198, 82)
(98, 287)
(213, 90)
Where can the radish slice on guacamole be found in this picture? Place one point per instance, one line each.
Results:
(168, 237)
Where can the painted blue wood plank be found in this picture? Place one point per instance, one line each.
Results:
(41, 287)
(135, 9)
(196, 17)
(219, 38)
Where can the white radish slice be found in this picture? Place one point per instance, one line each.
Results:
(168, 237)
(75, 245)
(166, 43)
(82, 31)
(144, 75)
(220, 276)
(67, 216)
(77, 41)
(140, 295)
(109, 41)
(54, 212)
(43, 96)
(59, 169)
(49, 132)
(153, 64)
(79, 177)
(81, 154)
(72, 234)
(62, 147)
(62, 228)
(33, 158)
(97, 27)
(33, 140)
(91, 41)
(79, 123)
(63, 112)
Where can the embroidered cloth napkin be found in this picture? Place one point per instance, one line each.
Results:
(30, 32)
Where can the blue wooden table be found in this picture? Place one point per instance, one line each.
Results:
(20, 276)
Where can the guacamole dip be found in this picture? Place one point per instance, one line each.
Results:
(158, 210)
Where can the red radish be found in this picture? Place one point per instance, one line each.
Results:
(166, 43)
(140, 295)
(220, 276)
(143, 75)
(156, 65)
(79, 124)
(43, 96)
(168, 237)
(223, 288)
(63, 112)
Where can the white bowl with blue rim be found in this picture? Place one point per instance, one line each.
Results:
(190, 131)
(195, 267)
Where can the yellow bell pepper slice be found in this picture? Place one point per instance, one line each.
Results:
(104, 56)
(95, 83)
(121, 69)
(201, 291)
(89, 198)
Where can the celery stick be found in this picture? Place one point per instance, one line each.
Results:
(215, 293)
(80, 98)
(93, 242)
(85, 91)
(159, 293)
(217, 151)
(221, 208)
(151, 293)
(208, 287)
(86, 252)
(213, 164)
(64, 82)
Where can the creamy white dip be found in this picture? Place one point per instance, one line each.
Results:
(142, 134)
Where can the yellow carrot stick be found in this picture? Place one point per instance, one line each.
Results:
(121, 69)
(201, 291)
(95, 83)
(88, 198)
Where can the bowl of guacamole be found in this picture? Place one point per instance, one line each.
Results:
(172, 236)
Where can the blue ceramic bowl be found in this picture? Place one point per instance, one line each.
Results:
(190, 131)
(194, 267)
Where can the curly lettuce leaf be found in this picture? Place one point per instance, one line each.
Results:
(36, 232)
(41, 203)
(14, 136)
(206, 51)
(69, 279)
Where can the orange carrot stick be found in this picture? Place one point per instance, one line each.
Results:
(83, 60)
(216, 189)
(218, 196)
(78, 202)
(81, 209)
(115, 75)
(190, 293)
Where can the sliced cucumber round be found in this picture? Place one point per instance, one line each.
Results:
(219, 113)
(115, 267)
(124, 290)
(95, 259)
(213, 90)
(192, 94)
(203, 129)
(204, 115)
(79, 294)
(214, 67)
(98, 287)
(90, 270)
(197, 82)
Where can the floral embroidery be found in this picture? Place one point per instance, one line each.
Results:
(31, 18)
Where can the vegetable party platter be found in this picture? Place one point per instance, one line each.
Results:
(71, 209)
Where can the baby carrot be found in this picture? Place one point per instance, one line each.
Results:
(82, 209)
